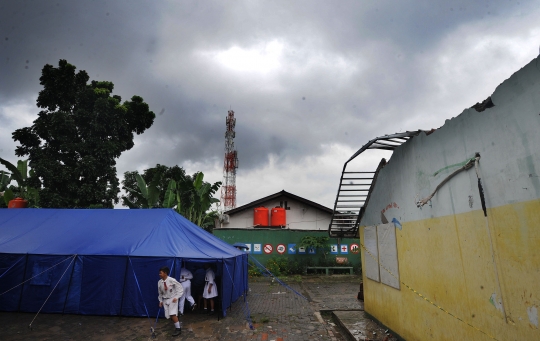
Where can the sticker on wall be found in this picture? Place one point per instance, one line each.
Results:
(281, 249)
(291, 250)
(268, 249)
(355, 248)
(302, 250)
(311, 250)
(257, 249)
(248, 250)
(344, 248)
(333, 249)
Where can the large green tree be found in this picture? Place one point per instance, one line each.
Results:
(73, 144)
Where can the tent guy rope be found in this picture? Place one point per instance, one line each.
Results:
(33, 276)
(266, 272)
(246, 310)
(73, 258)
(424, 297)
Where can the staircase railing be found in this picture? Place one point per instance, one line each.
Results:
(355, 186)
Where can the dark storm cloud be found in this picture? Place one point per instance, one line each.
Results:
(349, 70)
(100, 37)
(412, 25)
(343, 25)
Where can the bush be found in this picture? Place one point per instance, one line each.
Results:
(273, 266)
(283, 266)
(253, 270)
(286, 266)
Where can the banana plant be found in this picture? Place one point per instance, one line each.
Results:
(203, 198)
(20, 174)
(5, 179)
(5, 192)
(146, 196)
(193, 199)
(179, 196)
(170, 195)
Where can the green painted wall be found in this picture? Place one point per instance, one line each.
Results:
(274, 238)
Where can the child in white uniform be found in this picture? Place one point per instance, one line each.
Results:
(210, 288)
(169, 293)
(185, 280)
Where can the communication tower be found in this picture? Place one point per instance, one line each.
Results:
(228, 188)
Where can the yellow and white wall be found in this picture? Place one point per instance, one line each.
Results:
(464, 275)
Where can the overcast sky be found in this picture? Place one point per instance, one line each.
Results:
(310, 81)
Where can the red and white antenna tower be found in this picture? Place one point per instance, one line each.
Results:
(228, 188)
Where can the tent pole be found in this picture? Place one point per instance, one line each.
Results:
(124, 286)
(245, 271)
(221, 284)
(232, 280)
(22, 289)
(69, 286)
(245, 275)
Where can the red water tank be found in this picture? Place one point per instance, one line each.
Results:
(260, 216)
(18, 203)
(278, 217)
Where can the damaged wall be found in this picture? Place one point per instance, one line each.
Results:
(484, 270)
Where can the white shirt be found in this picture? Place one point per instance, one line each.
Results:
(174, 289)
(185, 275)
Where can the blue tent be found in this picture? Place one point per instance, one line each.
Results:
(105, 262)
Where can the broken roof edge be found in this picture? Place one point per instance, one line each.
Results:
(502, 93)
(405, 136)
(497, 97)
(256, 203)
(529, 73)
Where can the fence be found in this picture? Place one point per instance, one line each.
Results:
(266, 244)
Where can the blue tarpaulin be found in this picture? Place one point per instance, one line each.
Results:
(105, 262)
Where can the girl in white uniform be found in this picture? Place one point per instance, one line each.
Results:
(210, 288)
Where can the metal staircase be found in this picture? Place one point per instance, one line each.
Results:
(355, 187)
